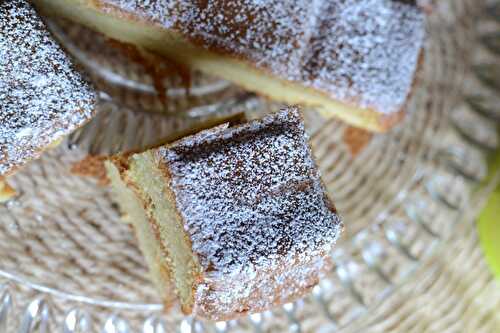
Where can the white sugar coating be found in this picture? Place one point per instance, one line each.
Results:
(361, 52)
(255, 210)
(42, 97)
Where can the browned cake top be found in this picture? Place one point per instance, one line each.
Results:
(42, 97)
(361, 52)
(255, 210)
(251, 195)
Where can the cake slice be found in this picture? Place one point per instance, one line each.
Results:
(352, 59)
(239, 214)
(42, 96)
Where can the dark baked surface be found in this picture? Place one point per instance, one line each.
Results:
(255, 210)
(363, 53)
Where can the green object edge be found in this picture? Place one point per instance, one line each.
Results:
(489, 223)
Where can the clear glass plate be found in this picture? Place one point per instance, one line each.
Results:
(67, 262)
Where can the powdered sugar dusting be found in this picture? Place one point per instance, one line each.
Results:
(255, 210)
(361, 52)
(42, 97)
(370, 50)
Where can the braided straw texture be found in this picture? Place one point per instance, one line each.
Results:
(408, 262)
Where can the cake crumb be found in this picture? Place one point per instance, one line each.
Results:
(6, 191)
(356, 139)
(92, 166)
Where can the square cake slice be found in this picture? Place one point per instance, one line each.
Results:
(240, 214)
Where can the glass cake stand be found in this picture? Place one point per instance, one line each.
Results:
(68, 264)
